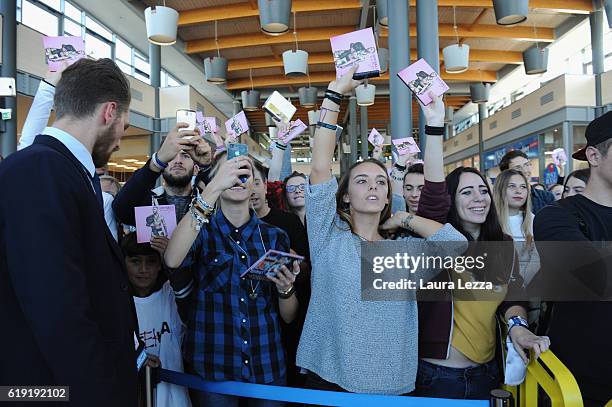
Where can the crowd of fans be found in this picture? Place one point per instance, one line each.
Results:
(308, 326)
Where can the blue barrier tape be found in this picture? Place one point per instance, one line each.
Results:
(294, 395)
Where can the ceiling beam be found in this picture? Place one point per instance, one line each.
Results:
(243, 10)
(323, 58)
(246, 9)
(522, 33)
(271, 81)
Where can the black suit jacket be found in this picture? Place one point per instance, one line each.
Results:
(66, 314)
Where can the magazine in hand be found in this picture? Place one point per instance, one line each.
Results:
(375, 138)
(151, 221)
(357, 47)
(406, 146)
(297, 127)
(60, 49)
(206, 125)
(421, 78)
(237, 125)
(279, 108)
(270, 263)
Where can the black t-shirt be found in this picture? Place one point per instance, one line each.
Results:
(298, 241)
(580, 332)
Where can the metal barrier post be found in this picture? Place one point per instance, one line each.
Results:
(148, 386)
(501, 398)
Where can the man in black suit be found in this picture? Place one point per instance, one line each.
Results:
(66, 314)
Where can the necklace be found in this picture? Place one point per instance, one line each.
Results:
(253, 294)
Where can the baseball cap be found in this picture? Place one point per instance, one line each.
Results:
(598, 131)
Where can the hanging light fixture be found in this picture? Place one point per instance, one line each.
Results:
(456, 56)
(295, 62)
(365, 94)
(308, 95)
(215, 68)
(274, 16)
(383, 17)
(535, 59)
(162, 23)
(479, 92)
(250, 98)
(510, 12)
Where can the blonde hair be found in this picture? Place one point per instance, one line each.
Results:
(500, 197)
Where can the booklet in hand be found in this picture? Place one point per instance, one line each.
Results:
(269, 264)
(375, 138)
(406, 146)
(357, 47)
(297, 127)
(206, 125)
(421, 78)
(152, 221)
(59, 49)
(279, 108)
(237, 125)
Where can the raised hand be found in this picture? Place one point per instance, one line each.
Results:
(434, 112)
(229, 173)
(53, 77)
(175, 142)
(345, 83)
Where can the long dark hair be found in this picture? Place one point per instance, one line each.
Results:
(490, 231)
(343, 209)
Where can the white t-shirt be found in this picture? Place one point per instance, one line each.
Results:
(162, 331)
(515, 223)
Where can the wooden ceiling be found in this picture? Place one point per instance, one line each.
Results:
(241, 41)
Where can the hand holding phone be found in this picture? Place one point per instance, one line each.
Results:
(235, 150)
(188, 117)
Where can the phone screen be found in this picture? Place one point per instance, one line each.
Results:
(186, 116)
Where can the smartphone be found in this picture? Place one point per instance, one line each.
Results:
(235, 150)
(186, 116)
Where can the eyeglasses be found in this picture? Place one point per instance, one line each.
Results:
(294, 188)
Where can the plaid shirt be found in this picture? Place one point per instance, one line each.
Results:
(229, 335)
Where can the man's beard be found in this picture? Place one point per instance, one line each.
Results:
(176, 181)
(102, 150)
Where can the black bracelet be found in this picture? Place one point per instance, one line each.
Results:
(334, 93)
(327, 126)
(434, 131)
(333, 99)
(288, 294)
(400, 167)
(281, 146)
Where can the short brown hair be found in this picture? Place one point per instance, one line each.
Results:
(86, 84)
(504, 163)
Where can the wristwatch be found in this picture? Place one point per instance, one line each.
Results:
(517, 321)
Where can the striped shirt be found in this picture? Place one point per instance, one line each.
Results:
(231, 336)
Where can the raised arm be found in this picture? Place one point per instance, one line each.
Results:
(186, 232)
(435, 201)
(325, 138)
(278, 154)
(38, 115)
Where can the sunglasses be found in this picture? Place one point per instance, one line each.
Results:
(294, 188)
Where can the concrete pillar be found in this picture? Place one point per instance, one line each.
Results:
(482, 115)
(155, 76)
(363, 117)
(8, 10)
(596, 20)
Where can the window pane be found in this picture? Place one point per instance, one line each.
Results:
(123, 51)
(173, 82)
(124, 67)
(72, 12)
(72, 28)
(98, 29)
(96, 48)
(143, 78)
(56, 4)
(39, 19)
(142, 65)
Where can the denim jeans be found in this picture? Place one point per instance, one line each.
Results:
(473, 383)
(202, 399)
